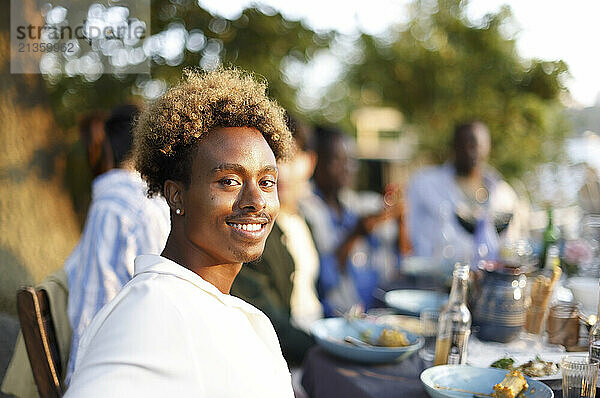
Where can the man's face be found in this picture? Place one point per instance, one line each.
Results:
(337, 171)
(231, 202)
(471, 148)
(294, 175)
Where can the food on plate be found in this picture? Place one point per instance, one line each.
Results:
(409, 323)
(387, 338)
(539, 368)
(503, 363)
(392, 338)
(511, 386)
(535, 368)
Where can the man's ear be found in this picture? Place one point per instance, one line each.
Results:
(173, 193)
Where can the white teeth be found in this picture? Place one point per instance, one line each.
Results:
(247, 227)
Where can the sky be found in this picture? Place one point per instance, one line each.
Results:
(548, 29)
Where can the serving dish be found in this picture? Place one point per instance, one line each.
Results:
(330, 333)
(472, 380)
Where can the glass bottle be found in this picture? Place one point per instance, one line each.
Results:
(550, 237)
(552, 259)
(454, 324)
(594, 339)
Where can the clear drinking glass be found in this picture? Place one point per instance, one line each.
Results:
(429, 328)
(579, 375)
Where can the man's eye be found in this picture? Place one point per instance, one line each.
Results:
(268, 183)
(229, 182)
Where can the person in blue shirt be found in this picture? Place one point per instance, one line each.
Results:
(456, 207)
(342, 233)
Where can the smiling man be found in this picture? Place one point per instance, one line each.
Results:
(209, 146)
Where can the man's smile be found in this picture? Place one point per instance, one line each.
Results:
(249, 228)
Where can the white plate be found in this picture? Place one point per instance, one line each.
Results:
(520, 358)
(412, 302)
(416, 265)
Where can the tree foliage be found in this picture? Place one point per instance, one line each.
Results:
(439, 69)
(258, 41)
(38, 227)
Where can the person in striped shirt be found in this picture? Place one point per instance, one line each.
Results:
(122, 223)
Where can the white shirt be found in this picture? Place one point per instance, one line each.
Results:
(169, 333)
(433, 196)
(122, 223)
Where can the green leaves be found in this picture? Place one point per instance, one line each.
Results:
(442, 69)
(438, 69)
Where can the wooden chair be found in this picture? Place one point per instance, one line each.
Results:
(40, 339)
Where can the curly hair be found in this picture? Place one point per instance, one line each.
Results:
(167, 132)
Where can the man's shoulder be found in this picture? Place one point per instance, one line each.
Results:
(430, 176)
(431, 172)
(141, 293)
(175, 289)
(147, 301)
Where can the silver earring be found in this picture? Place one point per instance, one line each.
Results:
(178, 212)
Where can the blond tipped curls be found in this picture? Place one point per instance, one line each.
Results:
(169, 129)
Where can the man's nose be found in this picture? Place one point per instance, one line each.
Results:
(252, 198)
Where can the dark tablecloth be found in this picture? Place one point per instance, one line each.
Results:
(326, 376)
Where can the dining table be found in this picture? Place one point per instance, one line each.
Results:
(326, 376)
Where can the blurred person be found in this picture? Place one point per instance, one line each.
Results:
(209, 147)
(341, 230)
(282, 283)
(588, 194)
(86, 159)
(448, 203)
(121, 224)
(97, 147)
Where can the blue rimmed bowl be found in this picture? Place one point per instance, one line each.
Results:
(331, 332)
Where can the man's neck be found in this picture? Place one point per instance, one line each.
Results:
(474, 176)
(220, 275)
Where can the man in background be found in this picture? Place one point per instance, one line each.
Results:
(446, 203)
(121, 224)
(352, 258)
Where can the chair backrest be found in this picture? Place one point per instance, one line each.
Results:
(40, 339)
